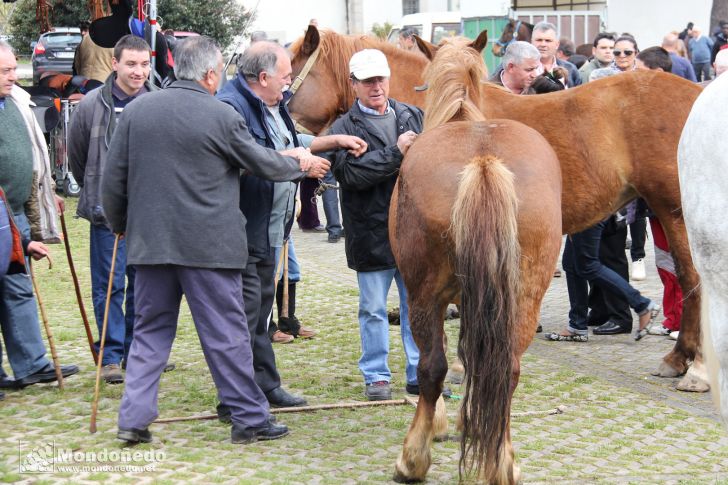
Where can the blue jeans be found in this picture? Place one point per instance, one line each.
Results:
(582, 265)
(331, 206)
(294, 269)
(374, 326)
(119, 329)
(19, 319)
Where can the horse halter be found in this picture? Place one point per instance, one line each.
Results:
(514, 37)
(299, 80)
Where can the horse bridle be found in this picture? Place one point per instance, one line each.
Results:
(299, 80)
(514, 37)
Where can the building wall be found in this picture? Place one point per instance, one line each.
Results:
(286, 20)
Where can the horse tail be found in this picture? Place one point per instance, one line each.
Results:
(710, 356)
(485, 230)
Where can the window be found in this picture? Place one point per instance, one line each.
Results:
(410, 7)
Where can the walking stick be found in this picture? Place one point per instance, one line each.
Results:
(79, 298)
(95, 402)
(44, 317)
(284, 281)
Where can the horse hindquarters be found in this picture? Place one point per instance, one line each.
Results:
(485, 231)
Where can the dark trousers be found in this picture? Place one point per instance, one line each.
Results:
(606, 305)
(309, 212)
(213, 296)
(258, 295)
(638, 231)
(583, 267)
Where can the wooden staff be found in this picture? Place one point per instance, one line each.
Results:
(284, 281)
(95, 402)
(79, 298)
(44, 316)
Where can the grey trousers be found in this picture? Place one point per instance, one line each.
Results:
(214, 298)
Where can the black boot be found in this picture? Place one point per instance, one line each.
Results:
(290, 324)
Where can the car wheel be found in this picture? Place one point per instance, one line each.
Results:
(70, 187)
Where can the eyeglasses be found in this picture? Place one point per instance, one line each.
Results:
(627, 53)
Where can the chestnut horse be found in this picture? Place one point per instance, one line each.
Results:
(475, 217)
(702, 163)
(616, 140)
(321, 90)
(513, 30)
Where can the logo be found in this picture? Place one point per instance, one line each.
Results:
(40, 459)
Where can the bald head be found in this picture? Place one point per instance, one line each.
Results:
(669, 42)
(721, 62)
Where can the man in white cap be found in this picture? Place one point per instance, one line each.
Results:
(389, 128)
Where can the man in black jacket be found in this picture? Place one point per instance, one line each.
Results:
(389, 128)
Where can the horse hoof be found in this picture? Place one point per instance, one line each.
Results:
(666, 370)
(696, 380)
(407, 474)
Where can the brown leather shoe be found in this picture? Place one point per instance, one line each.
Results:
(281, 338)
(305, 332)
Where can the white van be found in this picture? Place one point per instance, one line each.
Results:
(430, 26)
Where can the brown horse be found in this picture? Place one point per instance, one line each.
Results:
(480, 202)
(616, 140)
(513, 30)
(324, 92)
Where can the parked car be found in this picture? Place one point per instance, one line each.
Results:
(430, 26)
(54, 51)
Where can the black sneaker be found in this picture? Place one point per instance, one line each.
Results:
(334, 238)
(134, 435)
(414, 389)
(46, 374)
(245, 435)
(378, 391)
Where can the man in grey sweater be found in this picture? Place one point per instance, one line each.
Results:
(178, 206)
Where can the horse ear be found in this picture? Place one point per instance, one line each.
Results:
(480, 43)
(428, 49)
(310, 41)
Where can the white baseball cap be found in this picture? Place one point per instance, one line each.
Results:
(369, 63)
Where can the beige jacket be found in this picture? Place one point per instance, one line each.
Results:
(93, 61)
(40, 208)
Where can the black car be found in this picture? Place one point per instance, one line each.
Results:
(54, 51)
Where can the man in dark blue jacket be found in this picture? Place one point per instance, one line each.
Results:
(257, 94)
(367, 182)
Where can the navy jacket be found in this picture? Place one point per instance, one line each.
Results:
(256, 194)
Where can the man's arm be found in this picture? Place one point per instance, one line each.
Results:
(79, 133)
(267, 163)
(115, 178)
(355, 145)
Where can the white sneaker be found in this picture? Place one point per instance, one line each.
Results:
(638, 270)
(674, 335)
(659, 330)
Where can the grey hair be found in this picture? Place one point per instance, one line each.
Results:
(263, 56)
(519, 51)
(544, 26)
(6, 47)
(194, 57)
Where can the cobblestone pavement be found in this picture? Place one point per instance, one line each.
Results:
(620, 424)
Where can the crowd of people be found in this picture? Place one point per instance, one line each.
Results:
(208, 214)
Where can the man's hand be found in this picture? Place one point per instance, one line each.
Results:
(60, 203)
(405, 141)
(315, 167)
(355, 145)
(37, 250)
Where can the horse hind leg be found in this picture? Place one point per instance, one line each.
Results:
(430, 419)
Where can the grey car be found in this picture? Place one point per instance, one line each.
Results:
(54, 51)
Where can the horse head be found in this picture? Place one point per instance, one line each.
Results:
(513, 30)
(319, 88)
(453, 81)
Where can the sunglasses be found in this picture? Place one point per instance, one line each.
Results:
(627, 53)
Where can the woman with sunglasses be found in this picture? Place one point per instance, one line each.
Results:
(625, 52)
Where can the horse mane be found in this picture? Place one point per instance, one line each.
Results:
(337, 49)
(453, 81)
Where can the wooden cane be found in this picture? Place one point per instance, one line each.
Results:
(44, 317)
(95, 402)
(284, 281)
(79, 298)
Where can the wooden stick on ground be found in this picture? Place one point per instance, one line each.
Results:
(300, 409)
(44, 316)
(95, 402)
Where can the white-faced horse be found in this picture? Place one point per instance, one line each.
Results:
(702, 168)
